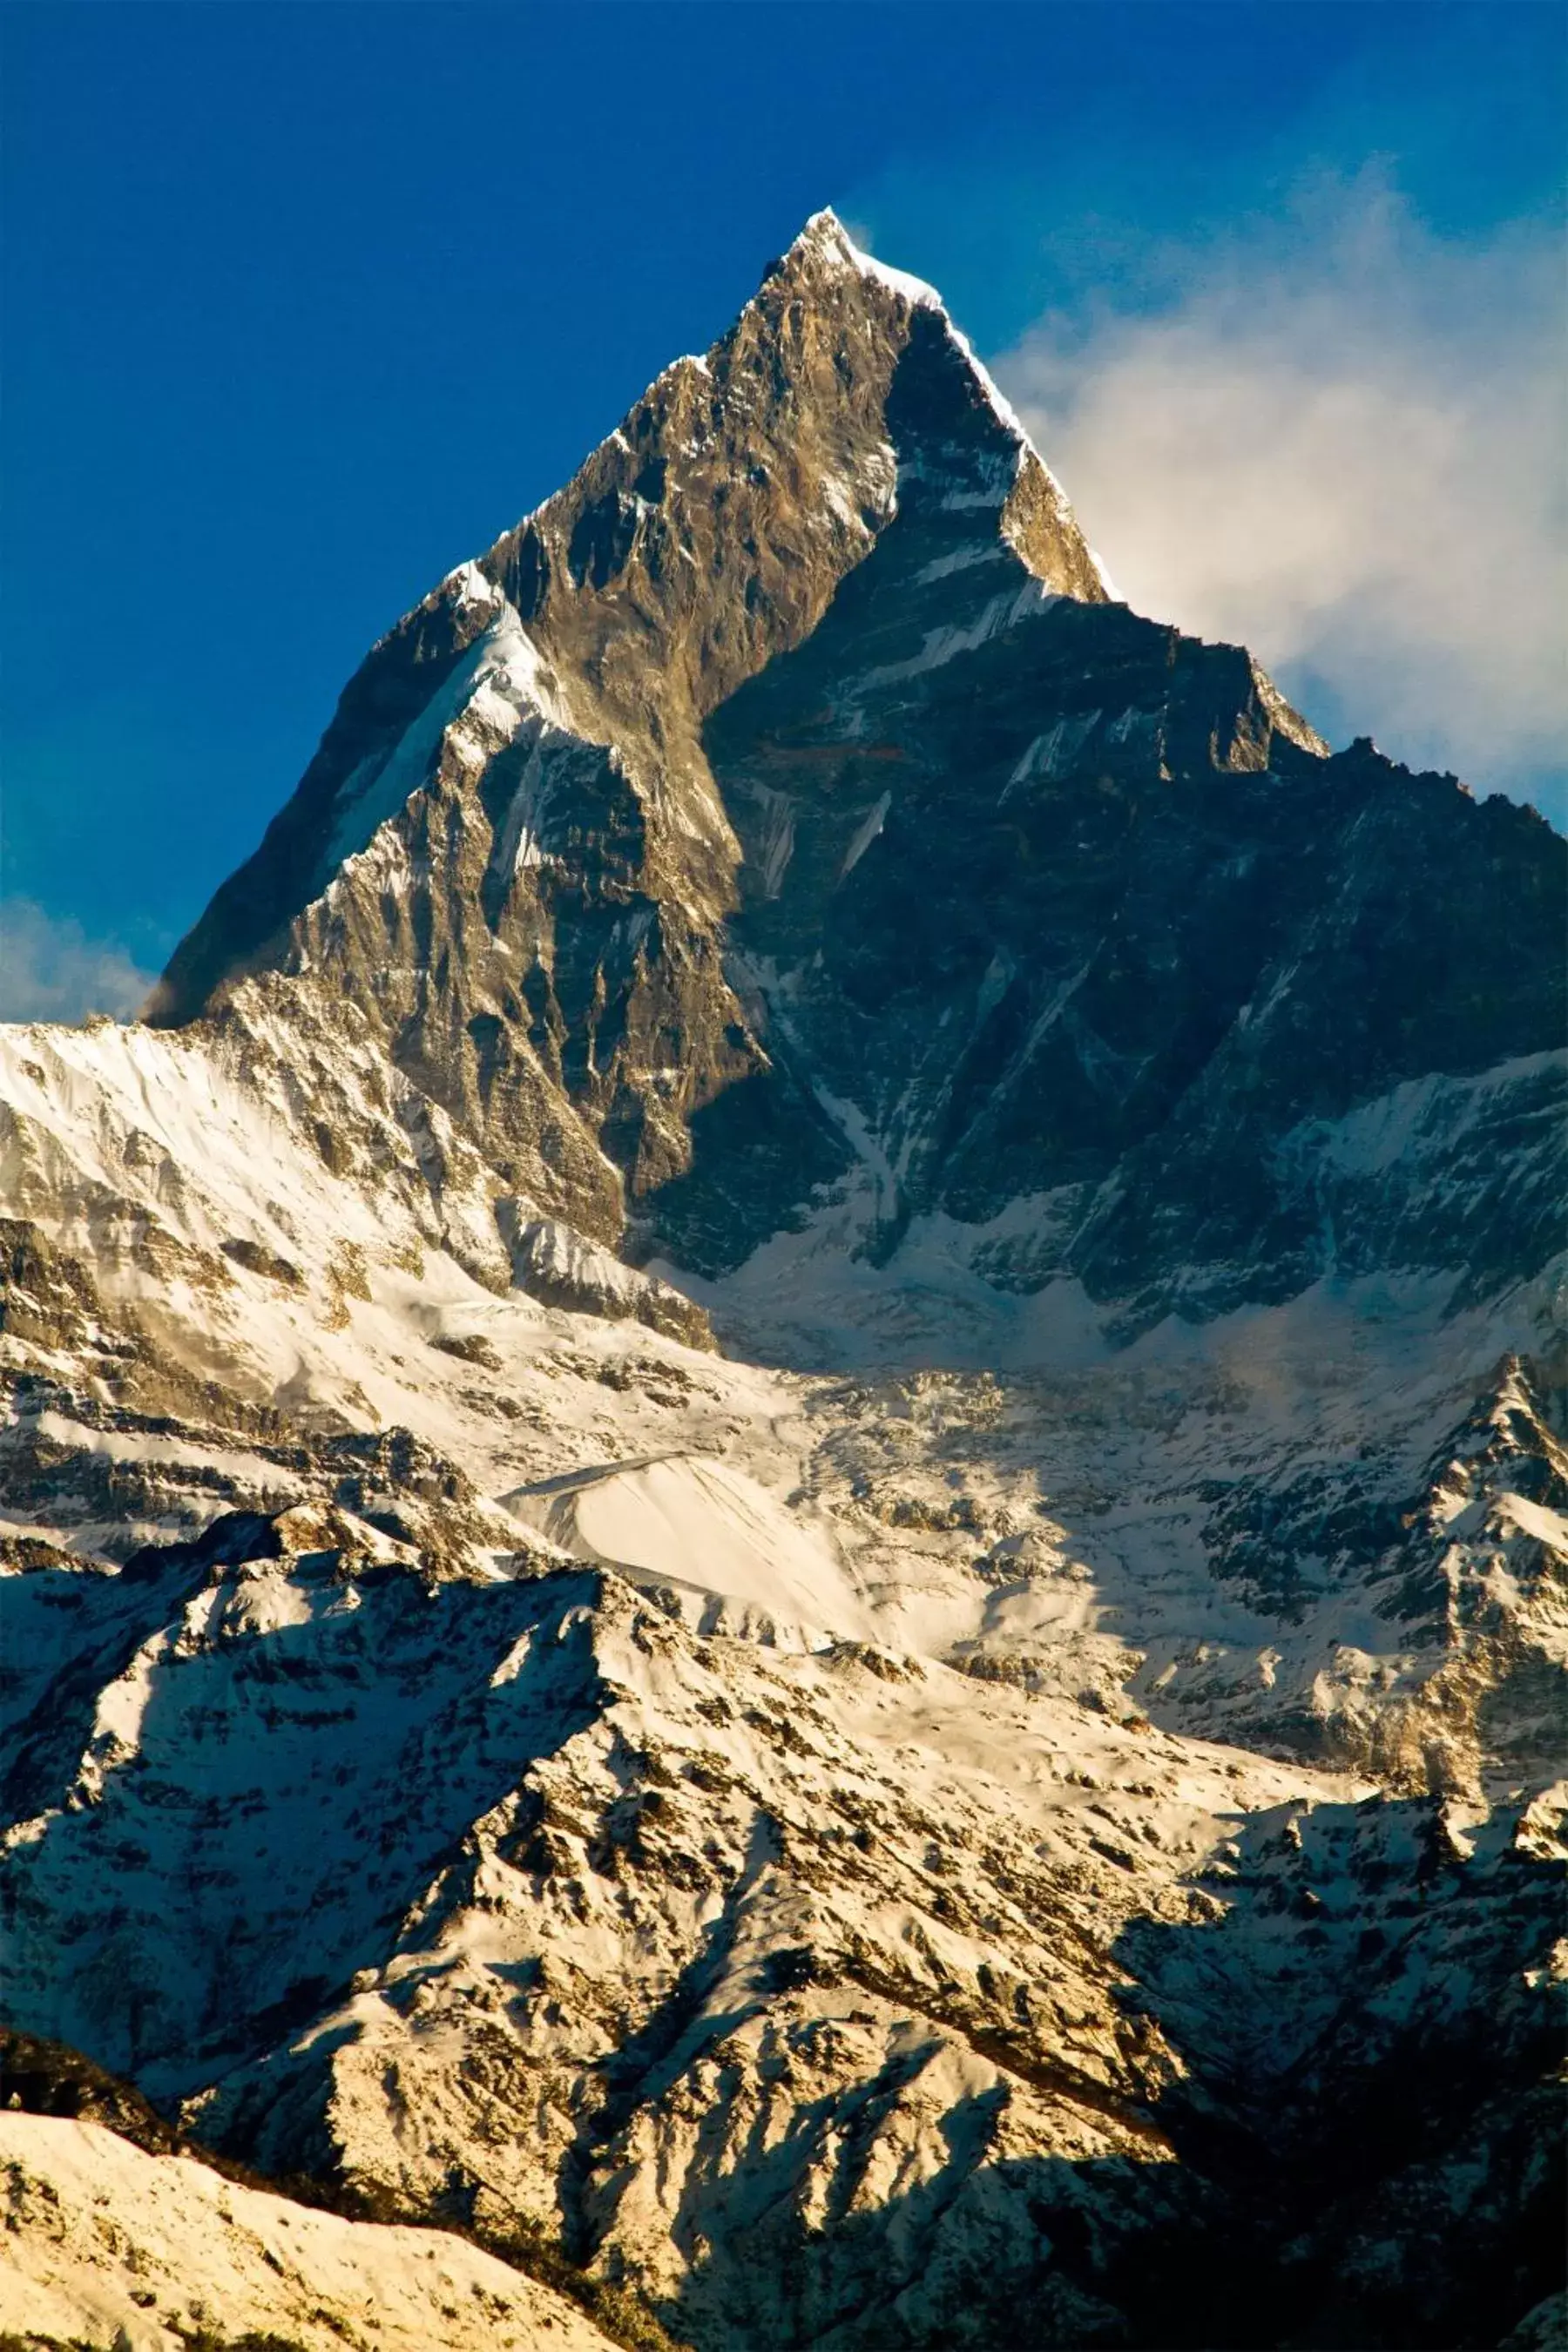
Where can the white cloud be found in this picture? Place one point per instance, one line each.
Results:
(51, 970)
(1338, 438)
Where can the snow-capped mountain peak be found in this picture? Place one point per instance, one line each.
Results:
(782, 1489)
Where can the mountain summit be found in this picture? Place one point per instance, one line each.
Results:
(783, 1483)
(707, 535)
(785, 806)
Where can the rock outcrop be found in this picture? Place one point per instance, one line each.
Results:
(786, 808)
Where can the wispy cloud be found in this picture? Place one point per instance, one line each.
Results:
(1339, 438)
(52, 969)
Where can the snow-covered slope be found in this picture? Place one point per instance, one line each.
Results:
(106, 2246)
(783, 1489)
(788, 1985)
(203, 1314)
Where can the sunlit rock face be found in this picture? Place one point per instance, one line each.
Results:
(784, 1496)
(785, 805)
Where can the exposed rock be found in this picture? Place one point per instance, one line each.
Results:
(553, 1262)
(785, 806)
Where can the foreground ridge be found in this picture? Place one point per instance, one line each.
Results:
(172, 2236)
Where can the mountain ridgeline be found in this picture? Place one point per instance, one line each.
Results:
(787, 805)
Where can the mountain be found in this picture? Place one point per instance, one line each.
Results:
(793, 808)
(784, 1477)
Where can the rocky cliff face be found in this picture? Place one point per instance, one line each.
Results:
(544, 952)
(783, 1486)
(785, 806)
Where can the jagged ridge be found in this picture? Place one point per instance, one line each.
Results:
(664, 851)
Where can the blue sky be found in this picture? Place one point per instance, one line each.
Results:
(303, 303)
